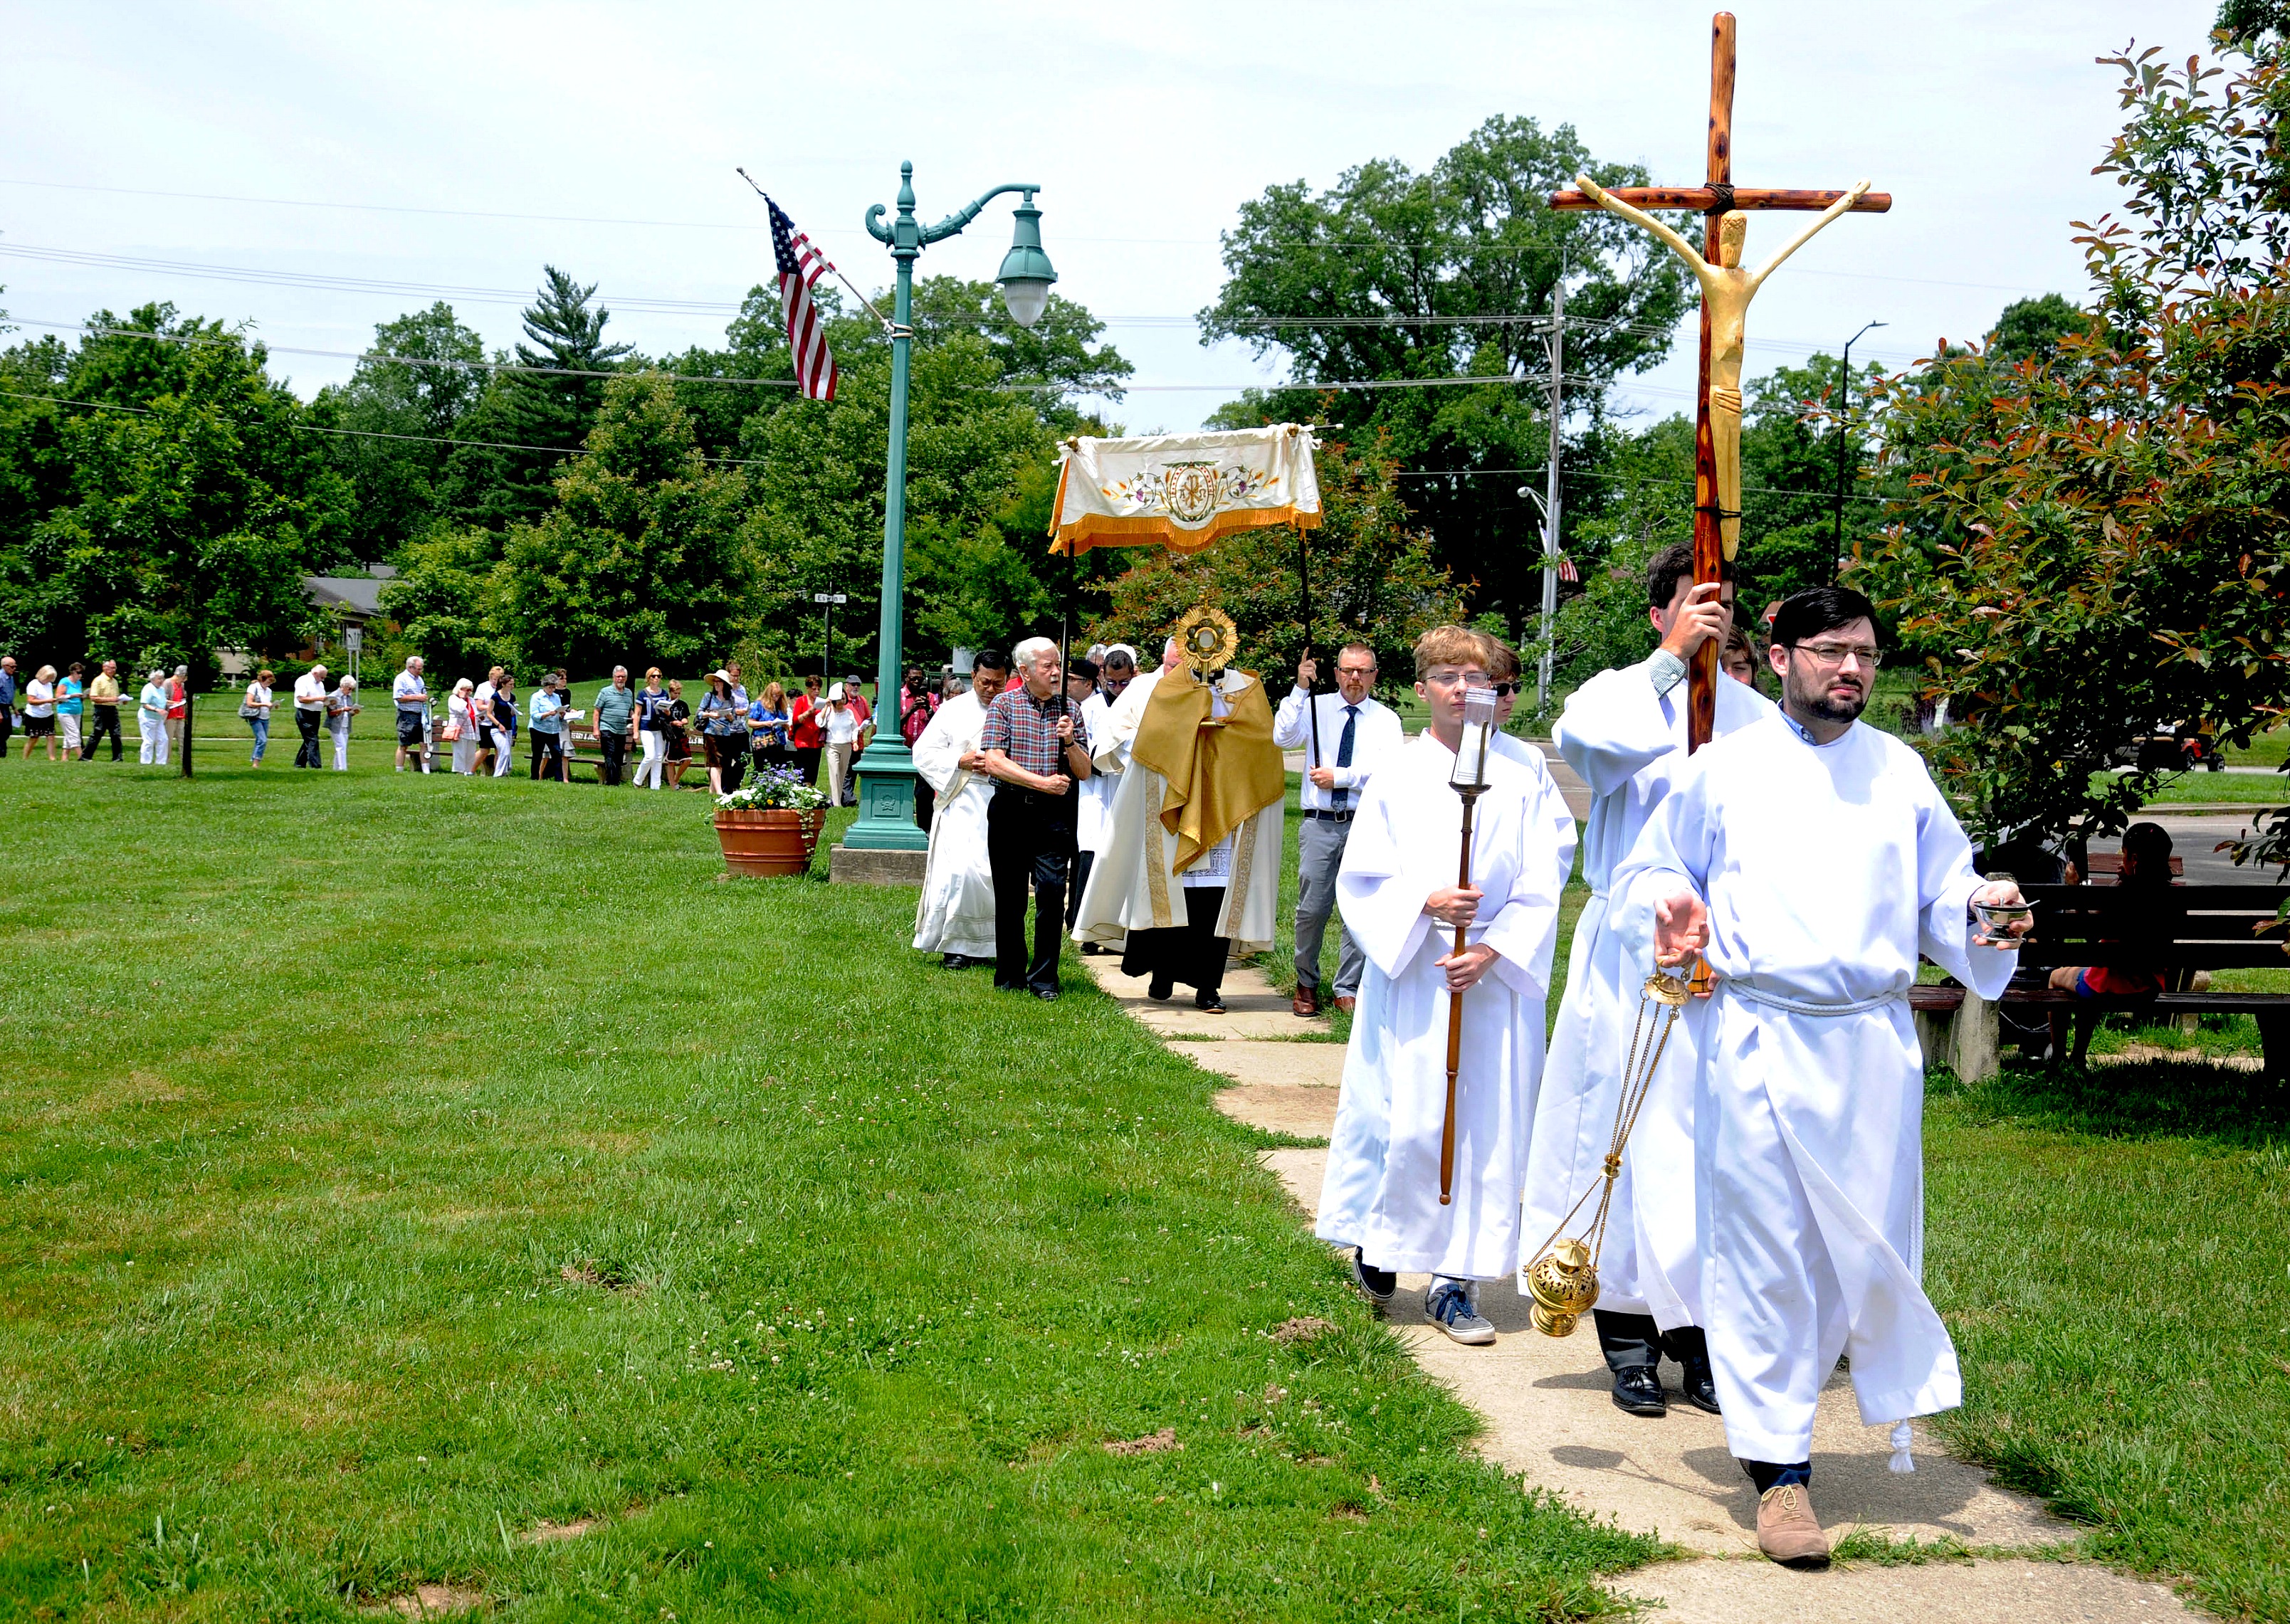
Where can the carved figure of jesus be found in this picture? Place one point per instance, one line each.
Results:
(1727, 291)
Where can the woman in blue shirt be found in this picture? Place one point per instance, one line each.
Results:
(724, 719)
(768, 720)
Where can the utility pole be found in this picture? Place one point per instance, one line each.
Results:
(1843, 433)
(1550, 491)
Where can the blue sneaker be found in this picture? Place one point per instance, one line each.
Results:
(1447, 1304)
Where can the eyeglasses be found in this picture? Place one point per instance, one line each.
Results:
(1363, 672)
(1834, 653)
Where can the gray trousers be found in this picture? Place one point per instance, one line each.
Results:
(1319, 854)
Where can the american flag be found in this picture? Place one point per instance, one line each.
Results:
(801, 265)
(1567, 570)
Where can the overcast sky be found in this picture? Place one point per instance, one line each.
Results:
(466, 133)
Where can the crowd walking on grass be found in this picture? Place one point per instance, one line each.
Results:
(472, 730)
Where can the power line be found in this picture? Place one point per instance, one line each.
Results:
(375, 355)
(361, 434)
(1682, 484)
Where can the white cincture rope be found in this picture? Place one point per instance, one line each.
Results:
(1800, 1006)
(1903, 1436)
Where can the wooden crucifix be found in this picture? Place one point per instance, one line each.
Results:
(1727, 291)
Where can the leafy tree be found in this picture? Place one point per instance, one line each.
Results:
(640, 560)
(1392, 275)
(553, 410)
(174, 513)
(2093, 540)
(1373, 578)
(421, 377)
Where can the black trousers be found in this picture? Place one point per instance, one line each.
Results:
(548, 756)
(926, 803)
(1076, 886)
(305, 723)
(1192, 953)
(806, 762)
(1029, 838)
(106, 720)
(615, 747)
(1631, 1340)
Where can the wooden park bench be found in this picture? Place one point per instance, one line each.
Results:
(584, 756)
(2177, 932)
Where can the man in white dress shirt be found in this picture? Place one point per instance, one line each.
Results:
(1355, 731)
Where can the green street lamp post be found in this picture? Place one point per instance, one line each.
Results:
(886, 771)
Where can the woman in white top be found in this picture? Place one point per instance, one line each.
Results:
(255, 705)
(40, 711)
(461, 722)
(840, 730)
(341, 705)
(151, 718)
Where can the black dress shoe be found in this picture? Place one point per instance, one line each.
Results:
(956, 961)
(1208, 1004)
(1637, 1390)
(1161, 991)
(1090, 949)
(1047, 994)
(1700, 1386)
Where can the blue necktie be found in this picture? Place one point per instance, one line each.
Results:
(1338, 799)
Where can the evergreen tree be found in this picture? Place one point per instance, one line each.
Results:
(551, 409)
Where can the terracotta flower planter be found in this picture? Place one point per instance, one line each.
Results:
(768, 840)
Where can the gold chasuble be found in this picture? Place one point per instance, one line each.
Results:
(1217, 777)
(1187, 788)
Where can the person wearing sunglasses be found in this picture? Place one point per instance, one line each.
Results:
(1624, 732)
(1343, 735)
(1812, 859)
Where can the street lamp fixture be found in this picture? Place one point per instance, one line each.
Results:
(886, 771)
(1026, 274)
(1843, 434)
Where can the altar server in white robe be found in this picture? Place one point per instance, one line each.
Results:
(1396, 889)
(956, 913)
(1094, 811)
(1624, 732)
(1110, 754)
(1811, 858)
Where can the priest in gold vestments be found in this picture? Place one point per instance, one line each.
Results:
(1188, 867)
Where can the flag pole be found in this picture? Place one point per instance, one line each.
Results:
(867, 304)
(1312, 689)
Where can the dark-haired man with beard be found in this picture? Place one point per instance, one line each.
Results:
(1811, 858)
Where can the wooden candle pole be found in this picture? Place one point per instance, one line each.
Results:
(1455, 1016)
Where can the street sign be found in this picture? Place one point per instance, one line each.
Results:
(830, 597)
(353, 638)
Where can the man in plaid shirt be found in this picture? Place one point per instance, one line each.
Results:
(1035, 749)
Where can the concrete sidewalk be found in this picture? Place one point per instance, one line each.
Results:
(1549, 1415)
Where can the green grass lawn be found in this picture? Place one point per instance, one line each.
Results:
(397, 1168)
(2111, 1251)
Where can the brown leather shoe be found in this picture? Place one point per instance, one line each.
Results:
(1788, 1531)
(1345, 1001)
(1306, 1001)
